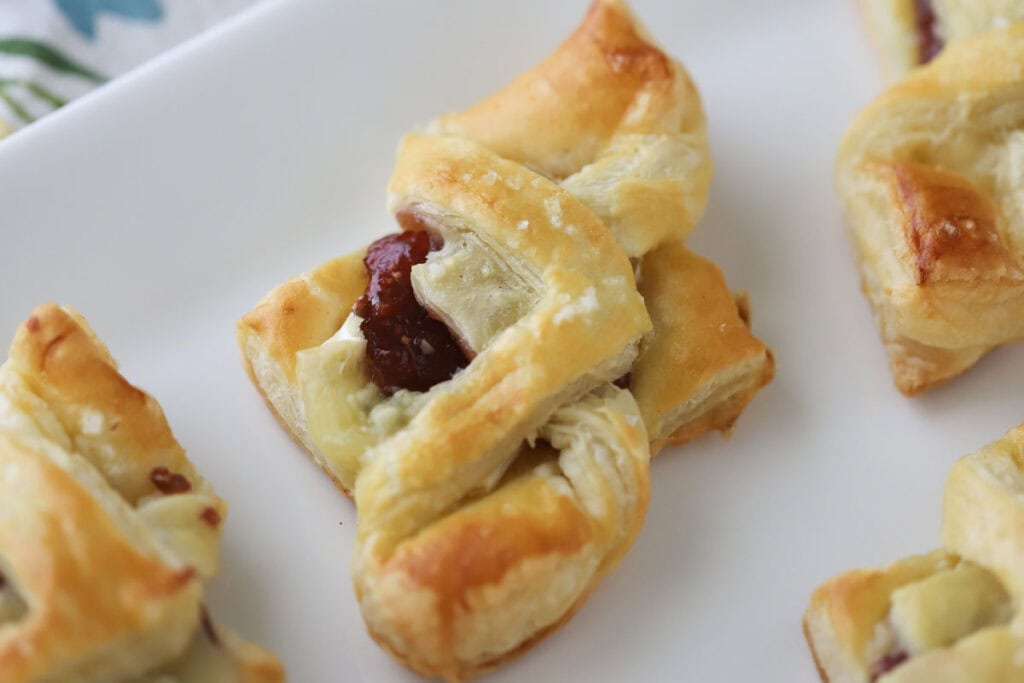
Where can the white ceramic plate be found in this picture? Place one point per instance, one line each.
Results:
(166, 204)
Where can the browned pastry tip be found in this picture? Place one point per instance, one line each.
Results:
(929, 179)
(594, 81)
(949, 224)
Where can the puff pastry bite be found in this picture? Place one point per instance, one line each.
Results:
(930, 175)
(466, 380)
(107, 533)
(909, 33)
(952, 615)
(494, 493)
(303, 329)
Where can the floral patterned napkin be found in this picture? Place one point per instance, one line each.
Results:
(52, 51)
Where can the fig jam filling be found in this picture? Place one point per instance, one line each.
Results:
(929, 43)
(207, 626)
(406, 348)
(887, 664)
(168, 482)
(210, 516)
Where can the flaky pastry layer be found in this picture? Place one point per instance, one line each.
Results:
(612, 117)
(492, 504)
(107, 533)
(930, 178)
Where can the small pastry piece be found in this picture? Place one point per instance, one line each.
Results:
(953, 615)
(107, 533)
(613, 118)
(909, 33)
(930, 178)
(701, 365)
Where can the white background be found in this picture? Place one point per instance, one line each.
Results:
(165, 205)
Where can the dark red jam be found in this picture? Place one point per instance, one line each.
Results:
(169, 482)
(929, 44)
(405, 347)
(210, 516)
(207, 624)
(625, 381)
(887, 664)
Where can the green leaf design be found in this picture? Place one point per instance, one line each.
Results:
(15, 106)
(48, 55)
(48, 96)
(55, 101)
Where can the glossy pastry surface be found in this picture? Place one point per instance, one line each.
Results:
(108, 534)
(929, 175)
(473, 381)
(613, 118)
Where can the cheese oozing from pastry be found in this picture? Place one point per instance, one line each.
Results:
(936, 612)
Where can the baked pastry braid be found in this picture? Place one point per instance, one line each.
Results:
(930, 179)
(512, 286)
(715, 350)
(950, 616)
(497, 472)
(909, 33)
(107, 533)
(613, 118)
(490, 504)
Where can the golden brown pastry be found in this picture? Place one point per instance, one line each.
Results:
(909, 33)
(930, 177)
(620, 124)
(107, 533)
(613, 118)
(490, 504)
(459, 379)
(950, 616)
(701, 365)
(304, 357)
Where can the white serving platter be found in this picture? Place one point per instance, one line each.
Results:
(164, 205)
